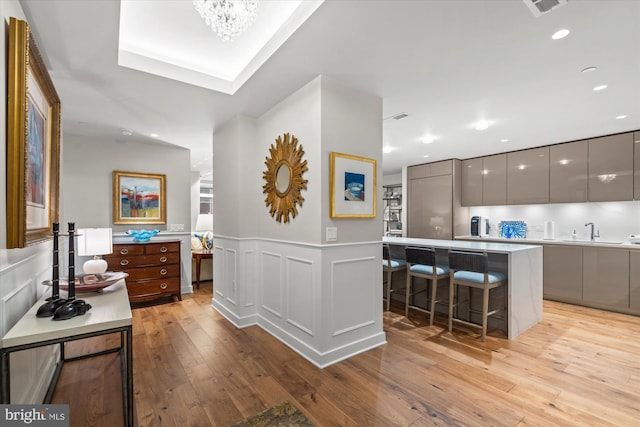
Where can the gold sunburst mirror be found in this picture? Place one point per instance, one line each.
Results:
(283, 178)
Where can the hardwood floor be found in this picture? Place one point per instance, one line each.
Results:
(579, 366)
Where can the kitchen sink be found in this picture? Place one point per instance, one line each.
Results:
(605, 242)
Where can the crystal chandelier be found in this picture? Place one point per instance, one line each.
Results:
(228, 18)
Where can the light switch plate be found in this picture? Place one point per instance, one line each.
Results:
(332, 234)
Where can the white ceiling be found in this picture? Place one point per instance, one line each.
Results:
(447, 64)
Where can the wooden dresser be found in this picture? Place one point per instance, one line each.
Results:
(153, 268)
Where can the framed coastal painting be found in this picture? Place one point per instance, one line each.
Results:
(352, 186)
(139, 198)
(33, 142)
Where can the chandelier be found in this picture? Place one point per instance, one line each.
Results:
(228, 18)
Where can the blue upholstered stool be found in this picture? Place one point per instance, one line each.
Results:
(421, 262)
(390, 265)
(471, 269)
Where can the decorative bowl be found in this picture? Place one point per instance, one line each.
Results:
(142, 235)
(90, 282)
(634, 238)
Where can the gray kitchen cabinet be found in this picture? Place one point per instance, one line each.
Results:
(434, 209)
(528, 176)
(484, 181)
(636, 165)
(605, 275)
(562, 272)
(472, 173)
(494, 180)
(611, 168)
(568, 172)
(429, 207)
(634, 281)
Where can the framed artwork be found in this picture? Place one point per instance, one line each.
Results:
(352, 186)
(33, 142)
(139, 198)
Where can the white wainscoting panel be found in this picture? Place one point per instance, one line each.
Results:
(250, 281)
(272, 283)
(231, 274)
(300, 304)
(219, 271)
(352, 294)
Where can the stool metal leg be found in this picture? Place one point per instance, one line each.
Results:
(485, 311)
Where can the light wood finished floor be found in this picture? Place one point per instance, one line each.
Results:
(579, 367)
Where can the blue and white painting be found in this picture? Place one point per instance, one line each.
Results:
(354, 187)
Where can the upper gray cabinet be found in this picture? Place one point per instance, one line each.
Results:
(494, 180)
(636, 162)
(568, 172)
(472, 182)
(528, 176)
(611, 168)
(484, 181)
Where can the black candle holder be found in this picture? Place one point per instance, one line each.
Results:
(54, 301)
(61, 308)
(72, 307)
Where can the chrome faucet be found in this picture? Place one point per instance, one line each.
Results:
(593, 235)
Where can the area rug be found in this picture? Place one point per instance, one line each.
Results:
(283, 415)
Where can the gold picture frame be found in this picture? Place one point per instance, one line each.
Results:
(352, 186)
(283, 178)
(139, 198)
(33, 142)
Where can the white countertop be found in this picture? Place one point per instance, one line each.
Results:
(484, 245)
(109, 309)
(528, 241)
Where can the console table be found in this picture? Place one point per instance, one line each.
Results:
(110, 313)
(199, 256)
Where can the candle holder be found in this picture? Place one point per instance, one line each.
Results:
(54, 301)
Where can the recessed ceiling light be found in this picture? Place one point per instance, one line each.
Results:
(482, 125)
(560, 34)
(126, 132)
(600, 87)
(426, 155)
(588, 69)
(622, 116)
(428, 139)
(504, 140)
(154, 135)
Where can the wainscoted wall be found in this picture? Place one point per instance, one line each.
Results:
(323, 301)
(21, 279)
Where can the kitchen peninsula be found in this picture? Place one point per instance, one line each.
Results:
(521, 263)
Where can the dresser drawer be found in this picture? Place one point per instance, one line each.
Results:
(153, 272)
(118, 263)
(162, 248)
(150, 289)
(127, 250)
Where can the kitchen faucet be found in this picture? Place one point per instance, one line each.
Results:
(593, 235)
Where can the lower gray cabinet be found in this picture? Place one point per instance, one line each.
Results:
(562, 272)
(634, 282)
(605, 277)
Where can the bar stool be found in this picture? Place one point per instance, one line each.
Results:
(389, 266)
(421, 262)
(471, 269)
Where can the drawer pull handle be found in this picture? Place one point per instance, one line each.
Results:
(124, 251)
(163, 285)
(163, 249)
(163, 259)
(124, 262)
(163, 271)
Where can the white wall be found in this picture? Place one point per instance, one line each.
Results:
(21, 270)
(615, 220)
(318, 298)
